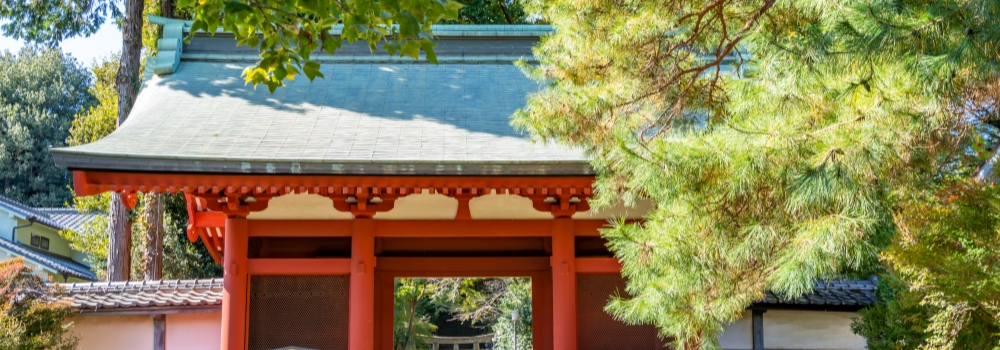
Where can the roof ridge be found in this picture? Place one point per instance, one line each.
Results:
(68, 209)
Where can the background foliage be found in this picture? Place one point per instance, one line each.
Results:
(29, 318)
(490, 12)
(40, 90)
(485, 303)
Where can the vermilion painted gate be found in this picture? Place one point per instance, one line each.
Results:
(289, 281)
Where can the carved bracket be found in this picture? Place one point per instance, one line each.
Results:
(208, 209)
(365, 202)
(561, 203)
(463, 195)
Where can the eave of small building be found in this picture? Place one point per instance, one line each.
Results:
(48, 263)
(157, 310)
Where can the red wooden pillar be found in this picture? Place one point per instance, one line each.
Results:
(362, 309)
(234, 293)
(563, 285)
(541, 310)
(384, 309)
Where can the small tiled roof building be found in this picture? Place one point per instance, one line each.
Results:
(33, 234)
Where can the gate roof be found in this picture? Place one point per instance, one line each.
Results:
(371, 115)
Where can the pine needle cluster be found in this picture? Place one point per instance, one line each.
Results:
(780, 142)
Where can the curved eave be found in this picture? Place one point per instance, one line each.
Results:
(111, 162)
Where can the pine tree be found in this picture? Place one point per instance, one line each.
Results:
(780, 142)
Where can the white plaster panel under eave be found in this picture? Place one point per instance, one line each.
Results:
(300, 207)
(423, 206)
(505, 206)
(426, 206)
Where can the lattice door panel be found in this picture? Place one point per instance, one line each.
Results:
(298, 311)
(596, 329)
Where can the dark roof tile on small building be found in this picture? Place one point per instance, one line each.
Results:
(57, 218)
(68, 218)
(144, 295)
(841, 293)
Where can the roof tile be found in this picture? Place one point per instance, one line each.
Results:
(364, 113)
(830, 293)
(126, 295)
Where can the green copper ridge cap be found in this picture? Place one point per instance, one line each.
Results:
(446, 30)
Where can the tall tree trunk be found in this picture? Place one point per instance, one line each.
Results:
(126, 82)
(506, 13)
(152, 236)
(119, 240)
(167, 8)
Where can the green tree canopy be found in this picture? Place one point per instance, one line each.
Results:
(490, 12)
(780, 143)
(40, 91)
(50, 21)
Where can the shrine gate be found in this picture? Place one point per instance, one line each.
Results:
(315, 198)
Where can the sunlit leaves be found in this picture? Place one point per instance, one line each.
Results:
(289, 32)
(50, 21)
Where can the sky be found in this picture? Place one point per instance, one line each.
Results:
(106, 41)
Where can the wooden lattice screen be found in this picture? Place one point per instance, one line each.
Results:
(596, 329)
(298, 311)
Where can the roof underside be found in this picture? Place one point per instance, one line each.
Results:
(368, 118)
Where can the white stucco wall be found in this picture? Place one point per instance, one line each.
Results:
(810, 330)
(202, 331)
(738, 335)
(195, 331)
(796, 330)
(114, 332)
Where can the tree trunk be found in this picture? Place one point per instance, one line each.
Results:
(119, 240)
(152, 234)
(506, 14)
(167, 8)
(127, 80)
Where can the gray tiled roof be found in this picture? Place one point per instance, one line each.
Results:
(111, 296)
(848, 293)
(57, 218)
(60, 264)
(363, 118)
(29, 212)
(106, 296)
(68, 218)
